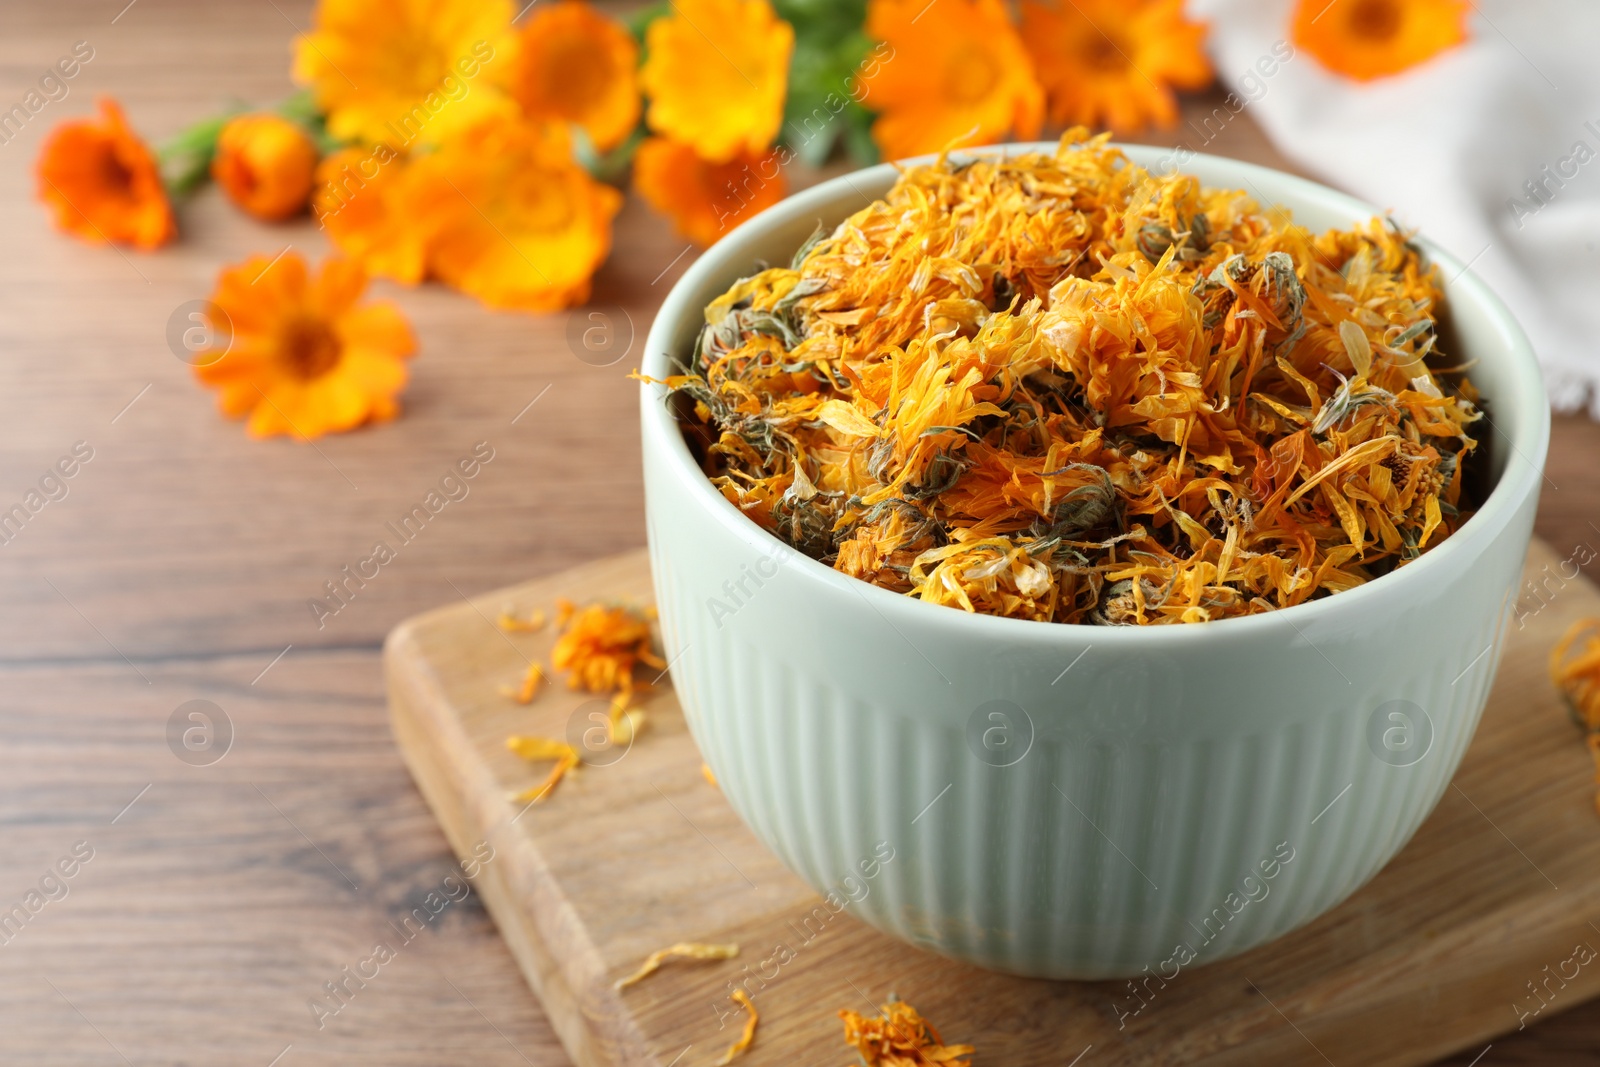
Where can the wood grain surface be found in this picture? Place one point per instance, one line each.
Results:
(1469, 933)
(179, 567)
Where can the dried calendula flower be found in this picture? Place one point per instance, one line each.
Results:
(749, 1035)
(900, 1037)
(1575, 670)
(536, 749)
(683, 950)
(711, 779)
(1058, 387)
(600, 645)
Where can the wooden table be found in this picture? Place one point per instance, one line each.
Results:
(220, 898)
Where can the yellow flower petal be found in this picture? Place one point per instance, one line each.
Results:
(716, 74)
(401, 73)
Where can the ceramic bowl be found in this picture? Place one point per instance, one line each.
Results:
(1077, 801)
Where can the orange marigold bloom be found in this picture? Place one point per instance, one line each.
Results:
(1114, 62)
(306, 358)
(396, 73)
(716, 72)
(265, 164)
(578, 66)
(520, 225)
(1367, 39)
(102, 182)
(705, 200)
(366, 200)
(959, 76)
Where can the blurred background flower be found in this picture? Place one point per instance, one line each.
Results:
(715, 71)
(1367, 39)
(575, 65)
(305, 357)
(446, 140)
(425, 69)
(958, 77)
(368, 204)
(265, 165)
(1114, 63)
(517, 223)
(703, 199)
(102, 184)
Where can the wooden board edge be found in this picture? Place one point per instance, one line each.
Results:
(1464, 1008)
(598, 1032)
(594, 1035)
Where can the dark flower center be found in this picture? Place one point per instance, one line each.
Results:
(117, 176)
(1103, 55)
(310, 348)
(1376, 20)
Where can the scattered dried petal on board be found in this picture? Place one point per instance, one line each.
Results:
(543, 748)
(749, 1035)
(1575, 669)
(683, 950)
(900, 1037)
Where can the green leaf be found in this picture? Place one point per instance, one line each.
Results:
(185, 158)
(301, 108)
(605, 166)
(828, 52)
(858, 138)
(640, 20)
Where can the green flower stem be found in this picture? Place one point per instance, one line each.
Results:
(185, 159)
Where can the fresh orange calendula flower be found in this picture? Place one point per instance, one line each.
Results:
(520, 224)
(576, 65)
(716, 72)
(960, 76)
(1114, 62)
(306, 356)
(421, 71)
(366, 199)
(265, 165)
(102, 182)
(1367, 39)
(705, 200)
(900, 1037)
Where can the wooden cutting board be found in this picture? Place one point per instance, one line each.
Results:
(1442, 952)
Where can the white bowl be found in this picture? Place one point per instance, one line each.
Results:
(1076, 801)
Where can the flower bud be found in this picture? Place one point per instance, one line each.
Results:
(265, 165)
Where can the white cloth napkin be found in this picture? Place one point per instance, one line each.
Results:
(1450, 146)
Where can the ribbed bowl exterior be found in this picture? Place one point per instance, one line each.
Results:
(1073, 801)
